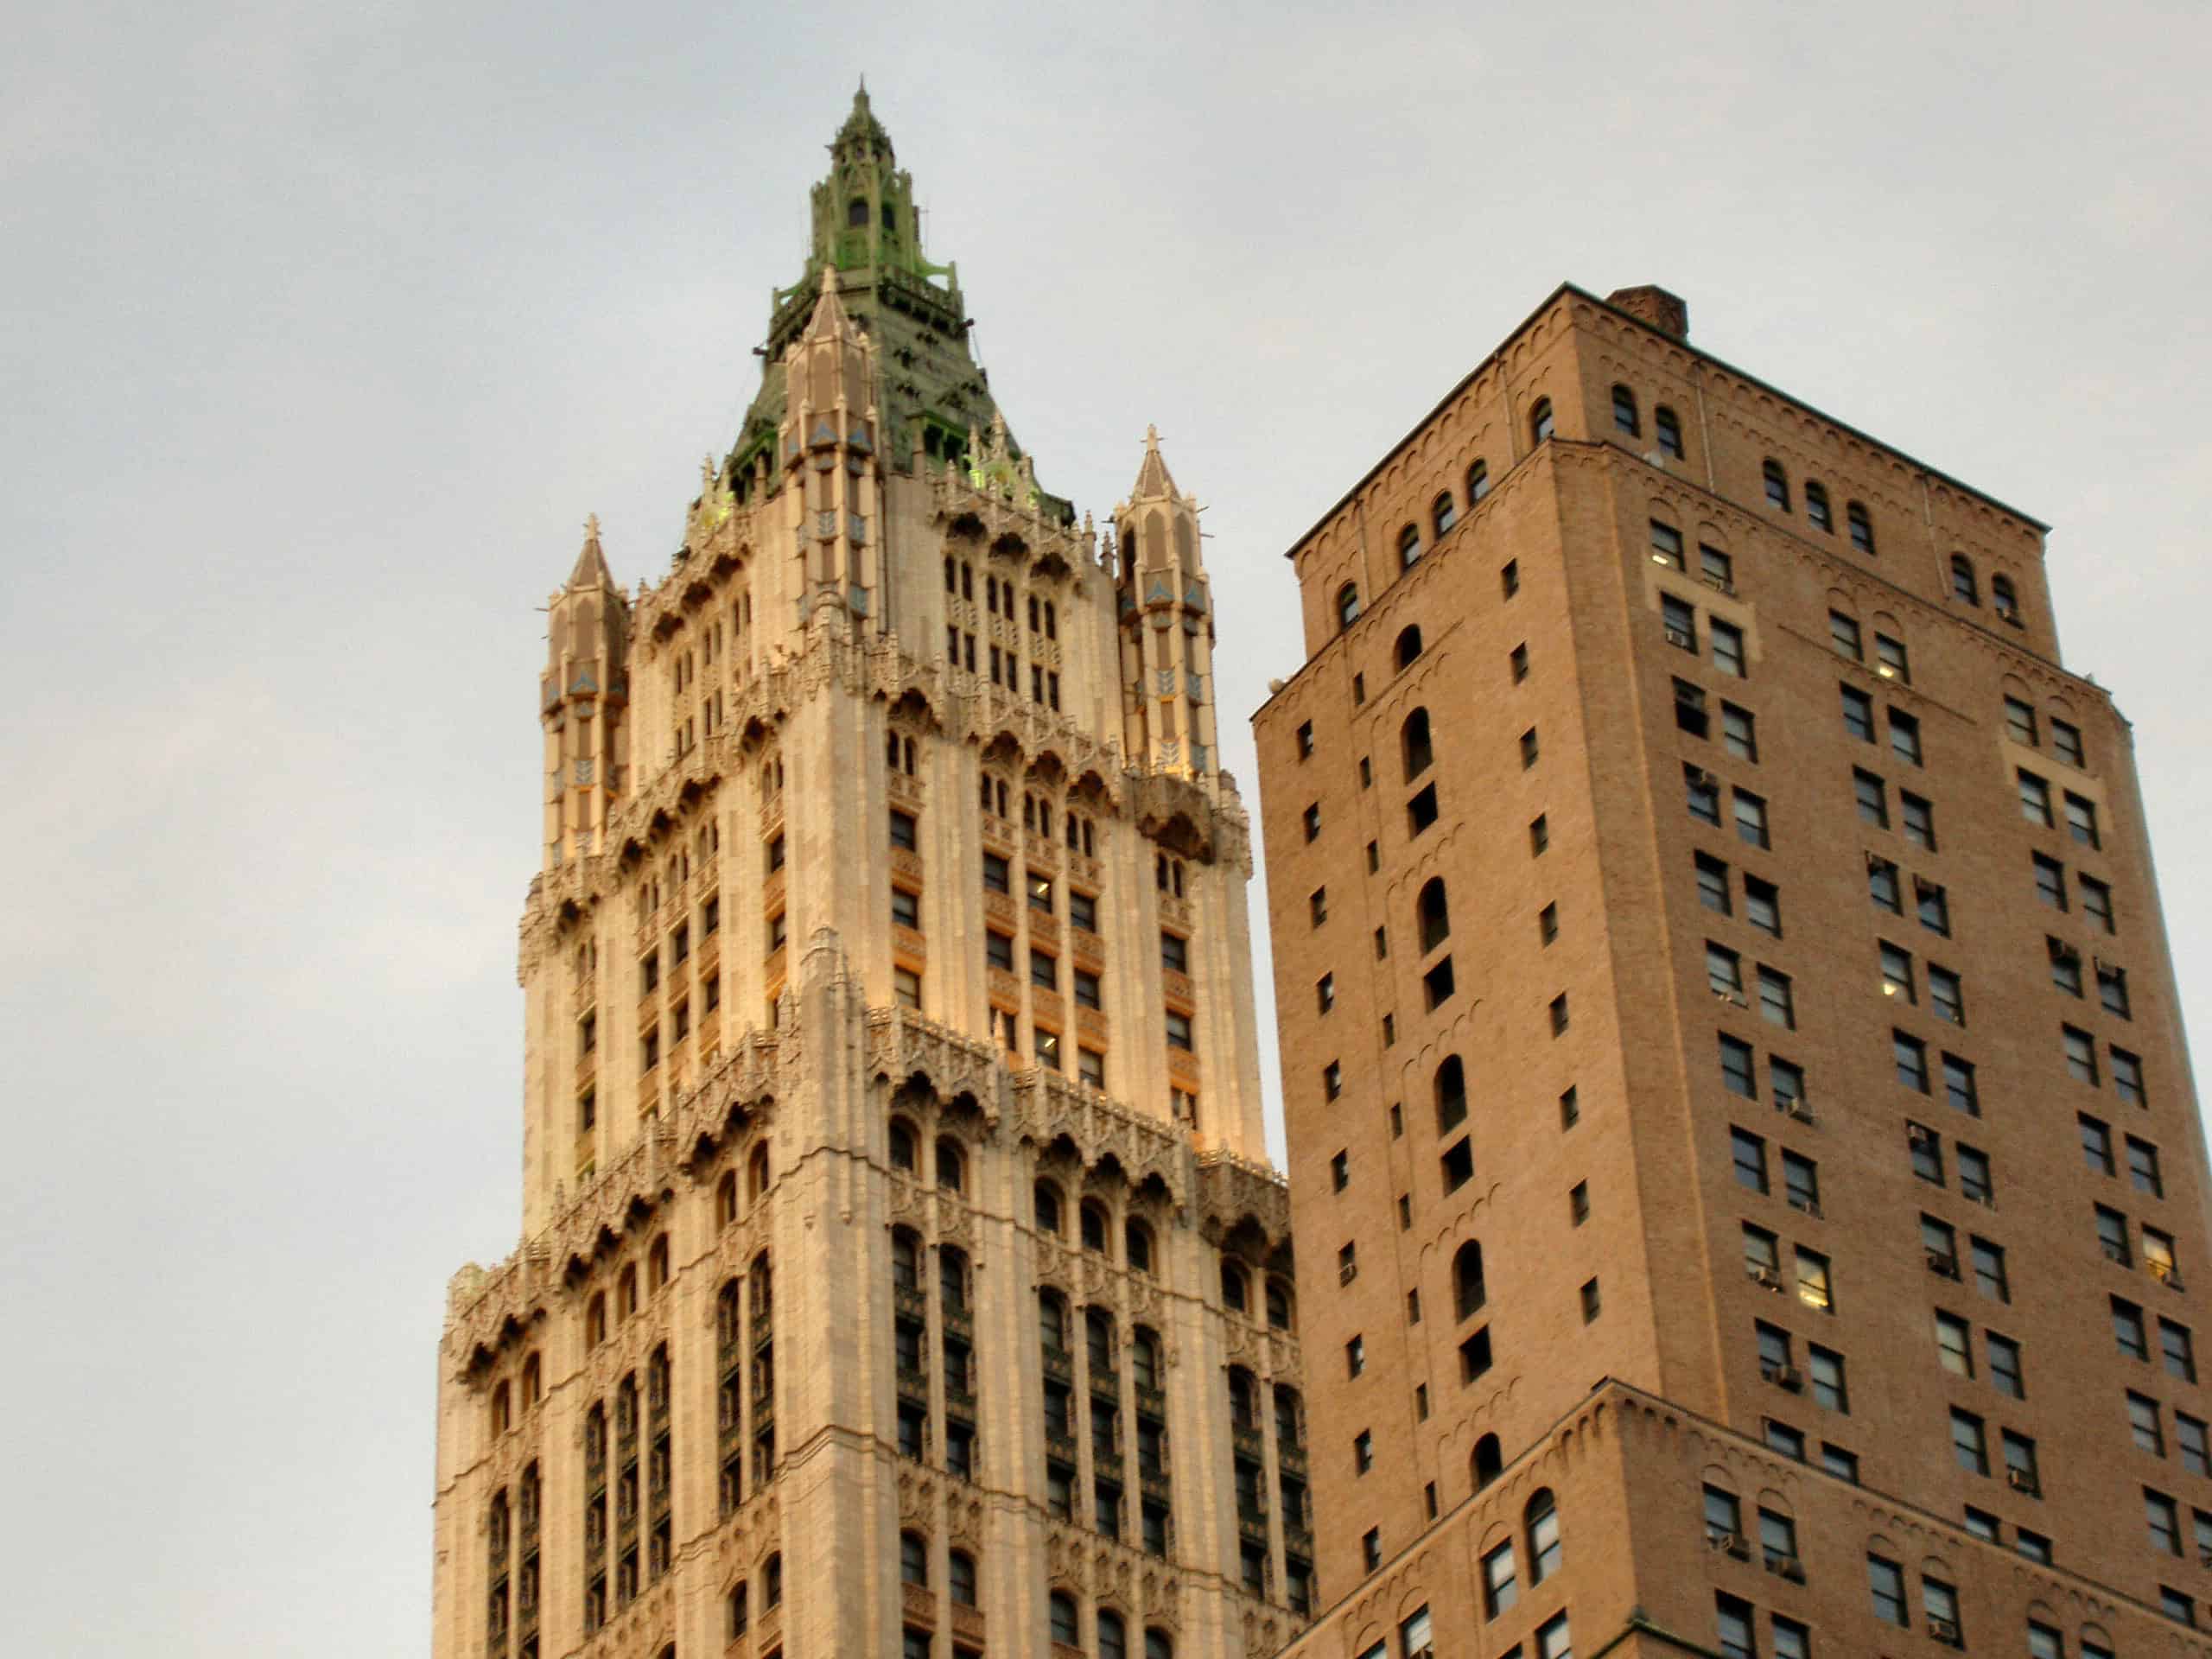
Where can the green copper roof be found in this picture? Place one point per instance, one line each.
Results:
(865, 227)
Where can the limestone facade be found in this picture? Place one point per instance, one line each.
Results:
(900, 1271)
(1730, 1042)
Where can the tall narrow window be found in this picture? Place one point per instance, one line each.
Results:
(1777, 485)
(1668, 429)
(1540, 421)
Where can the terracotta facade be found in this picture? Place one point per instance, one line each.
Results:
(900, 1268)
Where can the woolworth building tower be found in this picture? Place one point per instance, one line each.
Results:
(901, 1273)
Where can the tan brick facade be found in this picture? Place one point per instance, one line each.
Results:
(1706, 684)
(897, 1230)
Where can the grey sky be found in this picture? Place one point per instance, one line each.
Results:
(323, 328)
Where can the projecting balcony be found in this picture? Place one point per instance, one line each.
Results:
(906, 863)
(968, 1624)
(1043, 929)
(1152, 1402)
(1059, 1364)
(909, 943)
(911, 1299)
(648, 1010)
(1089, 871)
(1252, 1525)
(1088, 949)
(1154, 1486)
(1183, 1066)
(959, 1399)
(914, 1387)
(1041, 853)
(771, 893)
(905, 790)
(1005, 990)
(1047, 1008)
(1247, 1442)
(1291, 1456)
(1091, 1023)
(1059, 1445)
(918, 1604)
(1174, 910)
(1177, 988)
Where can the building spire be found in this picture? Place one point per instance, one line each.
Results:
(1154, 483)
(591, 569)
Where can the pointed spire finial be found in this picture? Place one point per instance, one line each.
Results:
(591, 527)
(1153, 479)
(591, 564)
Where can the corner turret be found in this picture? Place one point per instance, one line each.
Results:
(830, 452)
(583, 696)
(1166, 615)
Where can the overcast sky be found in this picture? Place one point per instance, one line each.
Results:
(322, 328)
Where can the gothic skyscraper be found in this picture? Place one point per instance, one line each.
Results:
(900, 1270)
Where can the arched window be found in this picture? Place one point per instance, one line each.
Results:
(502, 1408)
(2003, 599)
(595, 1319)
(741, 1611)
(1144, 1357)
(1669, 430)
(533, 1386)
(951, 1167)
(952, 1277)
(1816, 507)
(1777, 485)
(1451, 1093)
(1541, 1519)
(1468, 1292)
(1435, 912)
(756, 1180)
(1113, 1637)
(1488, 1462)
(1963, 585)
(1157, 1646)
(1409, 547)
(1052, 1322)
(1540, 421)
(1412, 740)
(1289, 1418)
(1067, 1630)
(656, 1380)
(1861, 527)
(1443, 513)
(1098, 1337)
(1625, 416)
(772, 1579)
(1136, 1245)
(1244, 1398)
(913, 1558)
(626, 1292)
(1477, 482)
(905, 1259)
(656, 1263)
(856, 214)
(1279, 1304)
(1347, 605)
(903, 1154)
(1235, 1291)
(1409, 646)
(725, 1199)
(1094, 1226)
(960, 1578)
(1048, 1208)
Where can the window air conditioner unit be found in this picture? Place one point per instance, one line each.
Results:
(1795, 1107)
(1786, 1376)
(1767, 1276)
(1786, 1567)
(1701, 778)
(1946, 1631)
(1987, 1200)
(1347, 1273)
(2021, 1481)
(1730, 1543)
(1919, 1135)
(1808, 1206)
(1944, 1262)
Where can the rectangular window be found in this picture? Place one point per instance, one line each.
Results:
(2082, 820)
(1750, 818)
(1815, 1287)
(998, 950)
(1044, 969)
(2128, 1330)
(1890, 654)
(1989, 1276)
(1749, 1153)
(1933, 905)
(2112, 989)
(1801, 1182)
(1961, 1091)
(1702, 790)
(1974, 1180)
(1905, 737)
(2096, 902)
(1946, 996)
(2142, 1167)
(1088, 993)
(2112, 1235)
(998, 875)
(2081, 1055)
(1739, 733)
(1727, 646)
(1843, 1464)
(2162, 1518)
(1083, 911)
(1791, 1639)
(1724, 973)
(1918, 818)
(2144, 1426)
(1762, 906)
(2051, 881)
(2191, 1437)
(1843, 633)
(2096, 1145)
(1737, 1075)
(1713, 884)
(1885, 1580)
(2034, 798)
(1828, 1385)
(1873, 798)
(903, 832)
(2020, 721)
(2020, 1470)
(1716, 568)
(1858, 713)
(1178, 1030)
(1969, 1442)
(1897, 973)
(905, 909)
(2127, 1077)
(1882, 886)
(2066, 741)
(1924, 1148)
(1680, 621)
(2065, 965)
(1738, 1627)
(2180, 1352)
(1775, 1000)
(1911, 1057)
(1955, 1351)
(2005, 1372)
(1666, 545)
(1762, 1254)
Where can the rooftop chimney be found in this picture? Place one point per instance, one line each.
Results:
(1666, 312)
